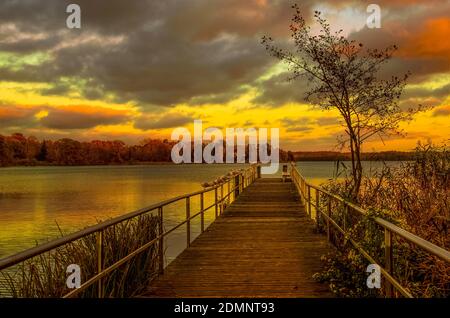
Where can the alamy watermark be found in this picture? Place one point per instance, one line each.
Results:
(73, 21)
(74, 278)
(236, 141)
(374, 279)
(374, 19)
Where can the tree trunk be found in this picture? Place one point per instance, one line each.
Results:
(359, 170)
(355, 151)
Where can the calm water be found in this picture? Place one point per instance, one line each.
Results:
(36, 202)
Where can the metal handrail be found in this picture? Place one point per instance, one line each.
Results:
(241, 180)
(304, 189)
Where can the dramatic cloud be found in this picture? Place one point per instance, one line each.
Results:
(153, 52)
(170, 120)
(420, 32)
(163, 56)
(440, 92)
(305, 124)
(82, 117)
(442, 111)
(302, 124)
(156, 63)
(278, 90)
(430, 41)
(16, 116)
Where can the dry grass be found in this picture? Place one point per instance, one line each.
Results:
(414, 196)
(45, 275)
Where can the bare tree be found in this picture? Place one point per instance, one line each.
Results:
(345, 76)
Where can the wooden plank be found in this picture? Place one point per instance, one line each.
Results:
(264, 245)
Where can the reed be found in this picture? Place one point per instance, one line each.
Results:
(414, 196)
(44, 276)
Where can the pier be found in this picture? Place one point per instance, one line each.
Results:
(263, 245)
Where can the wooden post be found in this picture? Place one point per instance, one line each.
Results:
(236, 186)
(328, 219)
(202, 213)
(228, 191)
(161, 240)
(388, 261)
(221, 199)
(344, 223)
(309, 200)
(188, 221)
(317, 207)
(215, 202)
(258, 171)
(100, 258)
(304, 189)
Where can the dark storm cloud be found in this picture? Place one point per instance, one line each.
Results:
(279, 90)
(164, 52)
(165, 69)
(299, 129)
(416, 30)
(172, 120)
(439, 92)
(204, 20)
(301, 124)
(156, 61)
(16, 116)
(106, 16)
(305, 124)
(198, 51)
(295, 121)
(82, 117)
(441, 111)
(327, 121)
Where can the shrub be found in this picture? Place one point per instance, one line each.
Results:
(414, 196)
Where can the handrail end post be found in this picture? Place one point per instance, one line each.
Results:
(388, 260)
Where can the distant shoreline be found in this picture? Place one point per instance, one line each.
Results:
(18, 150)
(168, 163)
(346, 156)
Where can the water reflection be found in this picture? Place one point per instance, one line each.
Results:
(35, 202)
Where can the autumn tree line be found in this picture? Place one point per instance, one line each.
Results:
(17, 150)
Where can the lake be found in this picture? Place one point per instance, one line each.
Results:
(37, 203)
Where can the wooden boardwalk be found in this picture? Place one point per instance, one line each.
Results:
(264, 245)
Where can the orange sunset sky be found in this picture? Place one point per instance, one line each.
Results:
(138, 69)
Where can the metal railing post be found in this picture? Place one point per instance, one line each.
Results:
(188, 221)
(328, 219)
(202, 213)
(161, 240)
(317, 207)
(388, 261)
(215, 202)
(100, 259)
(228, 191)
(221, 199)
(236, 186)
(309, 200)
